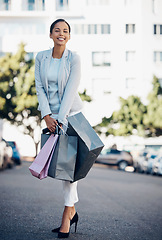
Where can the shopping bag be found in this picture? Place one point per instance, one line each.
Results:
(89, 144)
(63, 160)
(39, 167)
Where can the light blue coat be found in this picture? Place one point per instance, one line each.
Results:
(68, 82)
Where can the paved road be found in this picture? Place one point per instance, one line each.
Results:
(113, 205)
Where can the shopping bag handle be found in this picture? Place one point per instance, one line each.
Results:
(46, 130)
(58, 130)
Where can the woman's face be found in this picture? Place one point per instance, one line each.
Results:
(60, 34)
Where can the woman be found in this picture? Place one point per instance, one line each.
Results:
(57, 76)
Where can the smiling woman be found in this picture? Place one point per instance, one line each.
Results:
(57, 77)
(60, 33)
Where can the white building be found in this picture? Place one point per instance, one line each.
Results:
(119, 41)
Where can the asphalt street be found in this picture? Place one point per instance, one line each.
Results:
(113, 205)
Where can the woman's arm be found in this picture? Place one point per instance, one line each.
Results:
(71, 88)
(42, 97)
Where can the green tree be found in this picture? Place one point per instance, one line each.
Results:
(18, 100)
(85, 97)
(127, 120)
(134, 117)
(153, 117)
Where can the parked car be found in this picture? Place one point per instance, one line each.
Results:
(139, 160)
(148, 162)
(149, 165)
(2, 152)
(157, 165)
(5, 155)
(15, 155)
(143, 164)
(114, 157)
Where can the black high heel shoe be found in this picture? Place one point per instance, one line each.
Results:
(63, 235)
(73, 220)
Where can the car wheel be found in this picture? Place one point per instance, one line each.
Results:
(122, 165)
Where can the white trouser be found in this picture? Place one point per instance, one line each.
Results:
(70, 193)
(69, 189)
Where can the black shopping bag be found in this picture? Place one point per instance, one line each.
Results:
(89, 144)
(63, 161)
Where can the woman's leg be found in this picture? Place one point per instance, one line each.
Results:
(70, 193)
(70, 198)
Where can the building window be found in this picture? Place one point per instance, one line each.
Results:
(130, 28)
(157, 56)
(77, 29)
(23, 28)
(91, 28)
(130, 56)
(105, 28)
(33, 5)
(101, 59)
(62, 5)
(5, 5)
(130, 83)
(158, 29)
(43, 5)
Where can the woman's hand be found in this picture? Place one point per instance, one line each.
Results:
(60, 125)
(50, 122)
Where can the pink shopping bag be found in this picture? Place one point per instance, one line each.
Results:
(39, 167)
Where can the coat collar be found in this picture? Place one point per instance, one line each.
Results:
(49, 53)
